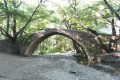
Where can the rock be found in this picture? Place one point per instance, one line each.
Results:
(109, 57)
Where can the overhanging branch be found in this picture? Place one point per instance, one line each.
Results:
(28, 21)
(111, 9)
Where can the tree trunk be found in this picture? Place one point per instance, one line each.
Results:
(103, 47)
(15, 46)
(75, 45)
(113, 39)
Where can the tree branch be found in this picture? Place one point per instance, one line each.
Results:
(14, 26)
(108, 21)
(117, 15)
(112, 10)
(28, 21)
(2, 32)
(5, 4)
(16, 5)
(99, 41)
(8, 17)
(113, 28)
(5, 33)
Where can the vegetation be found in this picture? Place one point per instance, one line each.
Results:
(91, 18)
(54, 44)
(18, 21)
(15, 19)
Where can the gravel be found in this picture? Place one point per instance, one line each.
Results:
(47, 68)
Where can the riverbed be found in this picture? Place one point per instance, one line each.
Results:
(48, 67)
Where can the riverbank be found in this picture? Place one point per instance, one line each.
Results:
(47, 68)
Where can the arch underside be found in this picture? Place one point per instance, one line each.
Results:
(50, 32)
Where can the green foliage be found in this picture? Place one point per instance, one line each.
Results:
(54, 20)
(94, 16)
(25, 39)
(39, 21)
(54, 44)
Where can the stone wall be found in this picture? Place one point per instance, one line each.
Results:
(5, 46)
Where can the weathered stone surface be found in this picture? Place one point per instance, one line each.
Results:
(83, 39)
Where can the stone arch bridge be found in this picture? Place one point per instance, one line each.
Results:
(71, 34)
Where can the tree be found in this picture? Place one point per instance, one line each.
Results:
(92, 18)
(114, 37)
(11, 14)
(84, 19)
(112, 10)
(74, 15)
(40, 21)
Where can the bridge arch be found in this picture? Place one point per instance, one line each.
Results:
(41, 36)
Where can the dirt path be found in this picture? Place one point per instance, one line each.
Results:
(47, 68)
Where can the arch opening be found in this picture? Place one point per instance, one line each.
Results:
(56, 44)
(44, 36)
